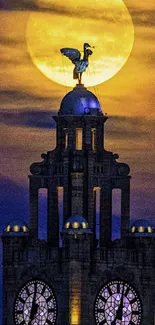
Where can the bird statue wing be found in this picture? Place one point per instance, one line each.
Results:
(73, 54)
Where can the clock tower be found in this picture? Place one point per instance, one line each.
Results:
(84, 280)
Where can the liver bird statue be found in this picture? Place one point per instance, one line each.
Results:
(75, 56)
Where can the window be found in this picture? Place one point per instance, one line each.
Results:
(97, 210)
(60, 209)
(116, 214)
(66, 138)
(6, 297)
(42, 214)
(79, 139)
(93, 139)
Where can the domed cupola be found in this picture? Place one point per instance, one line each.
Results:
(76, 224)
(142, 228)
(80, 101)
(16, 227)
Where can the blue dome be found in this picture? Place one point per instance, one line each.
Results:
(16, 227)
(142, 227)
(141, 223)
(76, 223)
(80, 101)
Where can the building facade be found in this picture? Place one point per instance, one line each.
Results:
(83, 281)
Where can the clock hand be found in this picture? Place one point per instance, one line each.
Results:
(119, 312)
(120, 308)
(34, 305)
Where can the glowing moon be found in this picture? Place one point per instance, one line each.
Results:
(105, 24)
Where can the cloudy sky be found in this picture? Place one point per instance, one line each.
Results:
(28, 99)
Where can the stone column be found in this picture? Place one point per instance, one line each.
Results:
(105, 215)
(52, 215)
(125, 210)
(33, 210)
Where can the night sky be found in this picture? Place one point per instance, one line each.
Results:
(28, 100)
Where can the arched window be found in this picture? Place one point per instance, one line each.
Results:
(60, 210)
(42, 213)
(97, 211)
(116, 213)
(65, 138)
(93, 139)
(79, 139)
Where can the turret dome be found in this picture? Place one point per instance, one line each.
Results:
(80, 101)
(75, 224)
(16, 227)
(142, 227)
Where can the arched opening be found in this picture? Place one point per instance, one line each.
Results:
(116, 213)
(97, 211)
(60, 211)
(65, 138)
(42, 213)
(93, 139)
(79, 139)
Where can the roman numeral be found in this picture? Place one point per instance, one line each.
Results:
(118, 287)
(133, 300)
(126, 292)
(49, 322)
(103, 299)
(135, 312)
(109, 290)
(43, 291)
(22, 300)
(22, 323)
(103, 322)
(27, 291)
(19, 312)
(51, 310)
(49, 298)
(100, 310)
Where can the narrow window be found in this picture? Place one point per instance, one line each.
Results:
(60, 211)
(97, 210)
(93, 139)
(42, 214)
(65, 138)
(116, 213)
(79, 139)
(6, 297)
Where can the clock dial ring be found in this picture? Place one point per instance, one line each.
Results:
(117, 303)
(35, 304)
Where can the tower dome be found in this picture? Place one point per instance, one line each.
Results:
(16, 227)
(142, 227)
(76, 224)
(80, 101)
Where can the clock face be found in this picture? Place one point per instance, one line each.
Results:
(117, 304)
(35, 305)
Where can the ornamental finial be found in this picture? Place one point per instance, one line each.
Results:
(75, 56)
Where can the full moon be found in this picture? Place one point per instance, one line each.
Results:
(107, 25)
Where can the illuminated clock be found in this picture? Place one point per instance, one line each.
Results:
(117, 303)
(35, 304)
